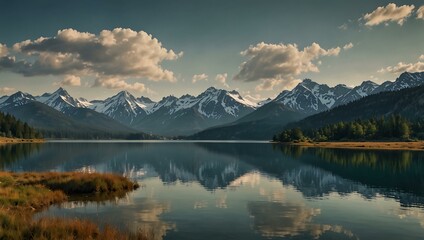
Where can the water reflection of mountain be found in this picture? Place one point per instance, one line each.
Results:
(170, 161)
(318, 172)
(314, 172)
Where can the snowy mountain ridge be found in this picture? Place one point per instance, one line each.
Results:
(310, 97)
(213, 107)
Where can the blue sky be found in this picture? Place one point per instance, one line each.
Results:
(206, 38)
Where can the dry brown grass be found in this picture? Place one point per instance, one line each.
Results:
(4, 140)
(15, 227)
(415, 146)
(23, 194)
(76, 182)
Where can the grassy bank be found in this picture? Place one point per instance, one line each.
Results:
(4, 140)
(23, 194)
(415, 146)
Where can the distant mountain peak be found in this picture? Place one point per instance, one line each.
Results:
(123, 107)
(61, 100)
(17, 99)
(170, 97)
(61, 91)
(211, 89)
(20, 94)
(124, 93)
(187, 96)
(341, 85)
(145, 100)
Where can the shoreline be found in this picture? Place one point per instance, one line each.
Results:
(24, 194)
(413, 146)
(5, 140)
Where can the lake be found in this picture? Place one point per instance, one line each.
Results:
(241, 190)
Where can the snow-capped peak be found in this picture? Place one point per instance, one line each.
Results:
(17, 99)
(308, 97)
(61, 100)
(236, 96)
(212, 103)
(123, 107)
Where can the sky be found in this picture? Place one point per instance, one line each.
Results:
(95, 49)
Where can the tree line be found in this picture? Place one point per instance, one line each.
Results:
(393, 127)
(14, 128)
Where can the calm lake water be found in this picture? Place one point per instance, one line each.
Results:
(241, 190)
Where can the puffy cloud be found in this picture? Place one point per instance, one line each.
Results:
(199, 77)
(222, 78)
(70, 80)
(280, 63)
(421, 57)
(120, 53)
(3, 50)
(389, 13)
(404, 67)
(348, 46)
(420, 13)
(118, 83)
(6, 90)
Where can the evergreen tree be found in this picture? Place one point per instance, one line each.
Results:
(13, 128)
(393, 127)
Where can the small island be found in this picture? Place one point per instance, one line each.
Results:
(24, 194)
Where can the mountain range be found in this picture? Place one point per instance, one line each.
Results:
(213, 114)
(407, 102)
(306, 99)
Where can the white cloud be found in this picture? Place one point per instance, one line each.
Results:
(70, 80)
(117, 83)
(222, 78)
(403, 67)
(267, 85)
(420, 13)
(6, 90)
(373, 78)
(120, 53)
(348, 46)
(280, 63)
(3, 50)
(421, 57)
(199, 77)
(389, 13)
(343, 26)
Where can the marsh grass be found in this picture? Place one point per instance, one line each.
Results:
(76, 182)
(23, 194)
(15, 227)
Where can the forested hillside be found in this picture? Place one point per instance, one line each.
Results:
(408, 103)
(393, 127)
(13, 128)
